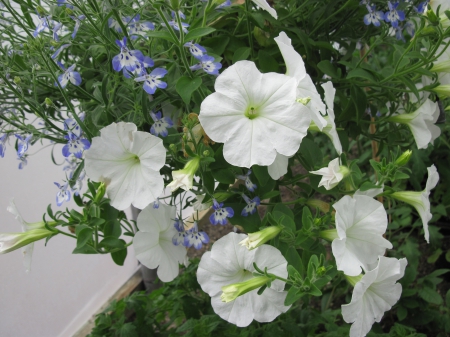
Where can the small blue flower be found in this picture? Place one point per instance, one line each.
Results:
(248, 183)
(22, 144)
(59, 50)
(156, 203)
(115, 25)
(196, 50)
(393, 15)
(422, 7)
(251, 205)
(56, 28)
(69, 75)
(42, 24)
(72, 126)
(75, 145)
(180, 13)
(195, 238)
(78, 20)
(127, 58)
(178, 238)
(63, 194)
(71, 166)
(410, 28)
(64, 2)
(76, 189)
(152, 80)
(176, 27)
(220, 214)
(224, 4)
(140, 68)
(399, 33)
(23, 162)
(208, 65)
(373, 17)
(139, 28)
(161, 124)
(3, 139)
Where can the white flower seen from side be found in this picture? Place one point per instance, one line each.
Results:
(361, 222)
(332, 174)
(228, 263)
(128, 162)
(255, 115)
(420, 200)
(373, 295)
(153, 242)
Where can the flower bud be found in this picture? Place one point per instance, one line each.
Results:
(443, 91)
(434, 20)
(184, 178)
(100, 193)
(233, 291)
(13, 241)
(17, 80)
(316, 203)
(48, 101)
(254, 240)
(329, 234)
(404, 158)
(206, 153)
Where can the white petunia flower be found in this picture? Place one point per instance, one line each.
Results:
(360, 222)
(420, 200)
(279, 167)
(295, 67)
(332, 174)
(375, 294)
(153, 242)
(264, 5)
(229, 263)
(128, 162)
(421, 123)
(256, 115)
(185, 178)
(445, 5)
(330, 128)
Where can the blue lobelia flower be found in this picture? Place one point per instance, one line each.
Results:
(152, 80)
(422, 7)
(71, 125)
(63, 194)
(75, 145)
(56, 28)
(59, 50)
(180, 13)
(139, 28)
(220, 214)
(78, 20)
(399, 33)
(22, 144)
(156, 203)
(42, 24)
(208, 65)
(126, 58)
(224, 4)
(175, 26)
(251, 205)
(71, 166)
(195, 238)
(196, 50)
(23, 162)
(3, 139)
(374, 16)
(248, 183)
(393, 15)
(140, 68)
(161, 124)
(178, 238)
(69, 75)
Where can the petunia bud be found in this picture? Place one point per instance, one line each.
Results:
(100, 193)
(443, 91)
(233, 291)
(184, 178)
(434, 20)
(13, 241)
(254, 240)
(404, 158)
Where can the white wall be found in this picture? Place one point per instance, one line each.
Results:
(62, 290)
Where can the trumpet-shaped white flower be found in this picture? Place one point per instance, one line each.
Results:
(445, 5)
(254, 240)
(295, 67)
(229, 263)
(256, 115)
(420, 200)
(264, 5)
(442, 64)
(153, 242)
(128, 162)
(185, 178)
(421, 123)
(360, 222)
(375, 294)
(332, 174)
(330, 128)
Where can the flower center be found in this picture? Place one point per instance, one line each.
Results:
(251, 113)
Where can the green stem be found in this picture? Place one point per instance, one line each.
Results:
(249, 31)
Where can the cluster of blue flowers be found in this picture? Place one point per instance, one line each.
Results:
(190, 237)
(206, 61)
(23, 143)
(64, 193)
(76, 142)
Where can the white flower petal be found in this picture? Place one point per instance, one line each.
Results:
(279, 167)
(264, 5)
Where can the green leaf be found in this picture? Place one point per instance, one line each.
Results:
(430, 295)
(267, 63)
(447, 298)
(186, 86)
(328, 68)
(241, 54)
(198, 32)
(361, 73)
(84, 250)
(310, 154)
(261, 173)
(224, 176)
(119, 256)
(402, 312)
(433, 257)
(270, 194)
(84, 236)
(112, 242)
(293, 295)
(283, 209)
(314, 291)
(161, 34)
(293, 259)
